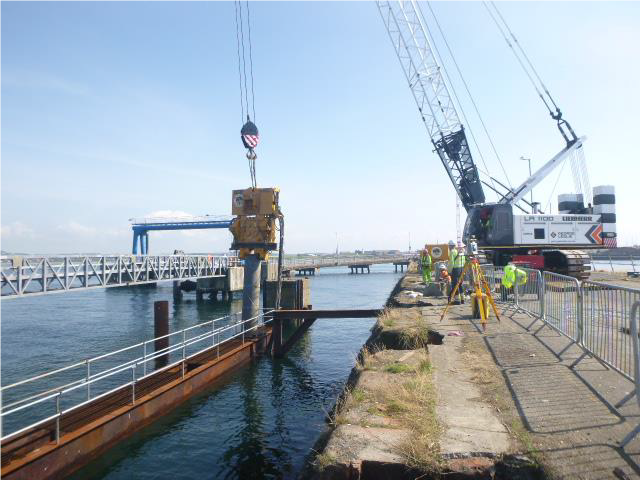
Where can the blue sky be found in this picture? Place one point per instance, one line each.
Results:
(117, 110)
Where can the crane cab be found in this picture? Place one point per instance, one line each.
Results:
(491, 224)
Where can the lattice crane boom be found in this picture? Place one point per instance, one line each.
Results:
(412, 43)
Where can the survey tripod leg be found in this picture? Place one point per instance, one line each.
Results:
(454, 291)
(482, 287)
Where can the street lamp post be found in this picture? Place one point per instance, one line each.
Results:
(528, 160)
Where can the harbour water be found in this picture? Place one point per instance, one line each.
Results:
(261, 422)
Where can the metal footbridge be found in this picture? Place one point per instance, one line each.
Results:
(38, 275)
(309, 264)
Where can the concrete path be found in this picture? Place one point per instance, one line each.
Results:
(471, 426)
(568, 413)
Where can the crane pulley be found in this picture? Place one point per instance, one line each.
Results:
(250, 138)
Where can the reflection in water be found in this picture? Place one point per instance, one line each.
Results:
(246, 457)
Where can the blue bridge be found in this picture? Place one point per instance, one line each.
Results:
(142, 226)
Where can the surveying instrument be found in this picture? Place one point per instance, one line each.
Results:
(481, 297)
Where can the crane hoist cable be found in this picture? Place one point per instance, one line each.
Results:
(515, 54)
(578, 163)
(563, 126)
(249, 132)
(524, 54)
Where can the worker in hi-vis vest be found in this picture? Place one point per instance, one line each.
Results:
(513, 275)
(425, 261)
(457, 259)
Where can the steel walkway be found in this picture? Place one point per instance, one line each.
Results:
(41, 275)
(64, 417)
(342, 261)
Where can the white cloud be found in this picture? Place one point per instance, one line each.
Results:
(17, 230)
(19, 78)
(77, 229)
(168, 214)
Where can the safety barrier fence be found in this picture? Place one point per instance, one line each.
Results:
(635, 318)
(597, 317)
(44, 398)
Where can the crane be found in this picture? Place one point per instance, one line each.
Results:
(533, 239)
(431, 93)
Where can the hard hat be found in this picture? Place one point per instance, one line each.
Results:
(451, 244)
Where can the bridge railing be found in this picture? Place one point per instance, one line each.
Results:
(340, 260)
(42, 400)
(183, 219)
(31, 275)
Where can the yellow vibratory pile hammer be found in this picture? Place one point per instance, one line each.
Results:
(257, 214)
(254, 226)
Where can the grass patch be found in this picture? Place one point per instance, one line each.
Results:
(425, 366)
(323, 460)
(344, 401)
(366, 357)
(411, 402)
(394, 407)
(358, 395)
(416, 335)
(421, 449)
(398, 368)
(386, 319)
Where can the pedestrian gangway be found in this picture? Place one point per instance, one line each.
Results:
(37, 275)
(307, 263)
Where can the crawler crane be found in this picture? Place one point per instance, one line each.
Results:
(530, 237)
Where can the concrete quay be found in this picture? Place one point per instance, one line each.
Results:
(431, 399)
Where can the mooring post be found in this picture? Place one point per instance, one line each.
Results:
(160, 329)
(251, 291)
(276, 337)
(177, 290)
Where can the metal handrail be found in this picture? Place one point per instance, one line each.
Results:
(332, 260)
(180, 219)
(133, 364)
(32, 275)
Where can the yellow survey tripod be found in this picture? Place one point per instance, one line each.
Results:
(481, 291)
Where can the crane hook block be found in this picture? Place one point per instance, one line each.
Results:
(249, 135)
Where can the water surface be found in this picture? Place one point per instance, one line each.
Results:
(261, 422)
